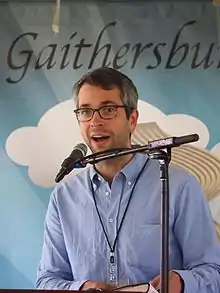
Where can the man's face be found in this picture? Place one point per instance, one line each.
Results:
(98, 133)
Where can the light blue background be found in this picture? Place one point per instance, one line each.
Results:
(181, 90)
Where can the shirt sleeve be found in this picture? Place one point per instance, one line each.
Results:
(195, 232)
(54, 270)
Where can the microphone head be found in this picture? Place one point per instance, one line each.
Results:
(82, 148)
(77, 153)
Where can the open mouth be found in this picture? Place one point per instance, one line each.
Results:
(100, 138)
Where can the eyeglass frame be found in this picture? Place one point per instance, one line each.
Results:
(98, 110)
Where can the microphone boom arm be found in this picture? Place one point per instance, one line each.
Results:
(151, 149)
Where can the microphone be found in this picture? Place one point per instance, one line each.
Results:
(170, 142)
(71, 162)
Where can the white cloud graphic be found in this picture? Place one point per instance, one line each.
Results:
(44, 147)
(174, 124)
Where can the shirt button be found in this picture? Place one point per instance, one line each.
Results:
(111, 220)
(99, 178)
(129, 183)
(94, 186)
(112, 269)
(107, 193)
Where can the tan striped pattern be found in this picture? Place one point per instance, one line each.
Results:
(199, 162)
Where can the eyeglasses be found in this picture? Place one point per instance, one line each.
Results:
(105, 112)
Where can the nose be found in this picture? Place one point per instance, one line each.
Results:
(96, 119)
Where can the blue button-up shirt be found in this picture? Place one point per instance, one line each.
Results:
(75, 248)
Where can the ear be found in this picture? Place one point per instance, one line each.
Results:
(133, 120)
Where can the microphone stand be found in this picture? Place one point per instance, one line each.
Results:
(164, 158)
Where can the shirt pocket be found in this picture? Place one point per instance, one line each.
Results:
(141, 247)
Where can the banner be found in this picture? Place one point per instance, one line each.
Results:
(171, 52)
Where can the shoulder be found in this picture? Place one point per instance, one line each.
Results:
(72, 186)
(177, 175)
(183, 176)
(186, 189)
(68, 196)
(182, 183)
(187, 178)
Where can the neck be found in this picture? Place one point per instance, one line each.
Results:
(109, 168)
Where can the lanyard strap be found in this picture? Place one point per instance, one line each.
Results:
(112, 248)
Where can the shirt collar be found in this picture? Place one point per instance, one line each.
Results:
(130, 171)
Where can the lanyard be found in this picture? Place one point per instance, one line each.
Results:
(112, 248)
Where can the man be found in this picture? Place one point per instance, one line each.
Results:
(102, 226)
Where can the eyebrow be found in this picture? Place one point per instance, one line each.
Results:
(107, 102)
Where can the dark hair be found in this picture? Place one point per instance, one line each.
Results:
(108, 78)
